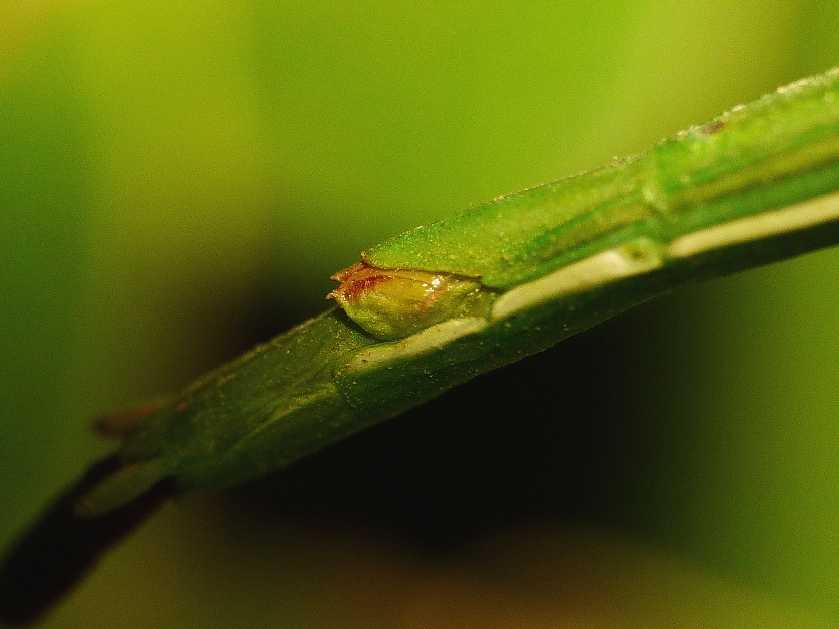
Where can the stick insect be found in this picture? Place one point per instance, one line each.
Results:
(441, 304)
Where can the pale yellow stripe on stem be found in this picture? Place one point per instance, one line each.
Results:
(430, 339)
(602, 268)
(789, 219)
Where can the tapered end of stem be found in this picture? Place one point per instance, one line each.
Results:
(62, 547)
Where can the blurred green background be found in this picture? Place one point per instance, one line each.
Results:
(179, 179)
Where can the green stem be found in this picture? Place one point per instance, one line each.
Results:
(503, 281)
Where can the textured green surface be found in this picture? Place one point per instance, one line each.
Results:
(770, 153)
(262, 411)
(315, 384)
(229, 157)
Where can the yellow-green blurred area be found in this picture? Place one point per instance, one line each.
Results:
(179, 179)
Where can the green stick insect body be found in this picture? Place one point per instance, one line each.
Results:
(439, 305)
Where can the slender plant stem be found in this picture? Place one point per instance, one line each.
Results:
(439, 305)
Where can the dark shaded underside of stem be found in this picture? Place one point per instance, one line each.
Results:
(61, 548)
